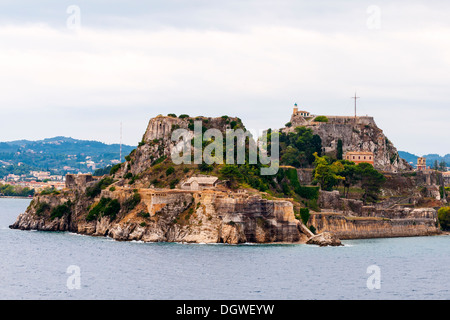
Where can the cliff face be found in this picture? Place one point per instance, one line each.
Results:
(360, 134)
(175, 216)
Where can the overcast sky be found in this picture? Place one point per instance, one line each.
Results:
(80, 68)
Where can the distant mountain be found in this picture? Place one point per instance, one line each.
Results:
(409, 157)
(431, 158)
(59, 155)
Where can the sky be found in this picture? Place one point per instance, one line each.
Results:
(81, 68)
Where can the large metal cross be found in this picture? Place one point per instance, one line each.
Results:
(355, 97)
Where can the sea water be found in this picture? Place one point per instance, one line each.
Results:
(63, 265)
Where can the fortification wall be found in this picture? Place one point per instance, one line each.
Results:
(364, 228)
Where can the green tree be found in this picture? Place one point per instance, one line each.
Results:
(292, 157)
(371, 181)
(304, 214)
(436, 165)
(297, 148)
(326, 174)
(231, 173)
(444, 218)
(350, 174)
(442, 166)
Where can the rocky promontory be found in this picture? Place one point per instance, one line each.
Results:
(148, 198)
(170, 216)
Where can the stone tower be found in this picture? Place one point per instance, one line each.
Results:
(421, 164)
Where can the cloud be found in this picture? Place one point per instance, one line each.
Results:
(60, 81)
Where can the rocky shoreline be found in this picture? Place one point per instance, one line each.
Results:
(204, 217)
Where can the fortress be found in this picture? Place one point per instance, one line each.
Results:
(359, 135)
(301, 118)
(201, 209)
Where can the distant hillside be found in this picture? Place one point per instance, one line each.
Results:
(431, 158)
(59, 155)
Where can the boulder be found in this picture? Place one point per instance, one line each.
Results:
(325, 239)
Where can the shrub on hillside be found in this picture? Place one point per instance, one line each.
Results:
(115, 168)
(321, 119)
(106, 207)
(304, 214)
(41, 208)
(60, 211)
(444, 218)
(169, 171)
(132, 202)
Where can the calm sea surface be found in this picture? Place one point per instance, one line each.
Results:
(35, 265)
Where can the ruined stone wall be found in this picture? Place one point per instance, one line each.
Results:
(78, 181)
(332, 201)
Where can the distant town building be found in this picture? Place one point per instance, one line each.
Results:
(41, 175)
(12, 177)
(360, 157)
(421, 164)
(198, 183)
(91, 164)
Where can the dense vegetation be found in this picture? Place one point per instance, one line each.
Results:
(321, 119)
(54, 154)
(102, 171)
(15, 168)
(96, 189)
(15, 191)
(297, 148)
(61, 210)
(106, 207)
(444, 218)
(329, 173)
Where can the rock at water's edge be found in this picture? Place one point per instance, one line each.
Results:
(325, 239)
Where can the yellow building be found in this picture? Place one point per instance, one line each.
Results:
(360, 157)
(302, 113)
